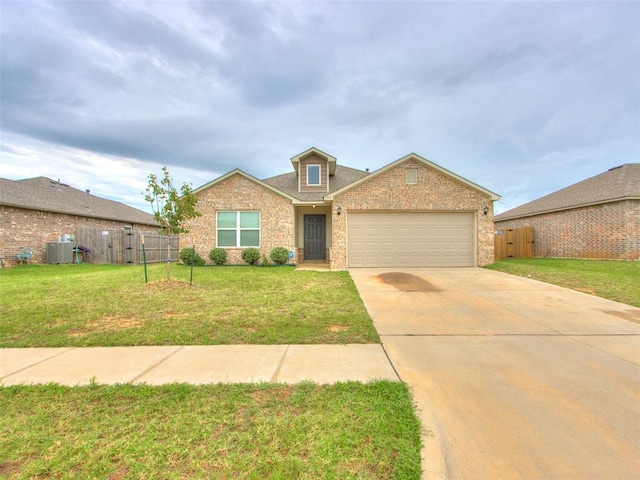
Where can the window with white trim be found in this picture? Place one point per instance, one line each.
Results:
(313, 174)
(237, 229)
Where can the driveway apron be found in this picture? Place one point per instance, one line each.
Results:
(513, 378)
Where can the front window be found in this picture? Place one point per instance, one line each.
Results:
(238, 229)
(313, 174)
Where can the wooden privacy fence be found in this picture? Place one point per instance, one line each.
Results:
(123, 246)
(513, 243)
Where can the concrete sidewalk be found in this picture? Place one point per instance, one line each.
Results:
(323, 364)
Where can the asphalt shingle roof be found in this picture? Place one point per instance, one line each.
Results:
(619, 183)
(42, 193)
(288, 183)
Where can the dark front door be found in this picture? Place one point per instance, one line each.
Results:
(315, 237)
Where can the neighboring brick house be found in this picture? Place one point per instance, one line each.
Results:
(38, 210)
(411, 212)
(596, 218)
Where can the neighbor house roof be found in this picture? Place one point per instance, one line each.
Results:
(616, 184)
(44, 194)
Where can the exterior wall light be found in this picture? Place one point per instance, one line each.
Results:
(339, 210)
(486, 210)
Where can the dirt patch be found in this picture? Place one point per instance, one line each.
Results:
(169, 315)
(164, 285)
(631, 315)
(406, 282)
(108, 323)
(339, 328)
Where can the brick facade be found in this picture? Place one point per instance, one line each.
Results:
(282, 214)
(235, 193)
(606, 231)
(434, 191)
(22, 227)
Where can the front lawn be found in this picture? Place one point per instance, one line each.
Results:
(305, 431)
(615, 280)
(110, 305)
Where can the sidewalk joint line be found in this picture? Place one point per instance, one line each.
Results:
(162, 360)
(279, 367)
(393, 367)
(38, 363)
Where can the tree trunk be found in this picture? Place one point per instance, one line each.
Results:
(168, 257)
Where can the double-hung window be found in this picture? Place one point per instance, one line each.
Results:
(313, 175)
(238, 229)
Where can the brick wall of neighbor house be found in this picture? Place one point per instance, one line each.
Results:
(239, 193)
(609, 230)
(433, 192)
(21, 227)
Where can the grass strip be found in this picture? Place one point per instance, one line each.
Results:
(264, 431)
(612, 279)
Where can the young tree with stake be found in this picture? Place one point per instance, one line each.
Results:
(170, 207)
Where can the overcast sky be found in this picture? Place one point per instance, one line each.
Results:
(522, 98)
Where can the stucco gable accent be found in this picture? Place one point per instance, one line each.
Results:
(331, 160)
(239, 172)
(412, 156)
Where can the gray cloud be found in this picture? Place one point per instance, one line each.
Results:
(522, 98)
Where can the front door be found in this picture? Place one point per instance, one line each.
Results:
(315, 237)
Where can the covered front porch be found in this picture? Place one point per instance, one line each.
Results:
(313, 235)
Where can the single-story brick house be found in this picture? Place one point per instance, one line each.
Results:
(38, 210)
(596, 218)
(411, 212)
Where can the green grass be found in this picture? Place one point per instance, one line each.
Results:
(106, 305)
(264, 431)
(615, 280)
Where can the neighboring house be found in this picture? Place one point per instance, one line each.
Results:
(596, 218)
(409, 213)
(38, 210)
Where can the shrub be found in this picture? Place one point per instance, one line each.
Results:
(189, 256)
(251, 255)
(218, 256)
(265, 262)
(279, 255)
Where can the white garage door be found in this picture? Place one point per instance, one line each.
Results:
(410, 239)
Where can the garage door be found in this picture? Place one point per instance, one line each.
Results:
(410, 239)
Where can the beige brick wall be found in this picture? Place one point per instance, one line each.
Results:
(610, 230)
(433, 192)
(21, 227)
(237, 192)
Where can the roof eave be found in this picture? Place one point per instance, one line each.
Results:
(562, 209)
(493, 196)
(79, 214)
(331, 160)
(237, 171)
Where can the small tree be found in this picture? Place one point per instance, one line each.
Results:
(170, 208)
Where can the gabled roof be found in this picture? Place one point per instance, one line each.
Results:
(288, 183)
(314, 151)
(237, 171)
(44, 194)
(616, 184)
(418, 158)
(342, 179)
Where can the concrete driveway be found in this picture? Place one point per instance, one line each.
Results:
(514, 378)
